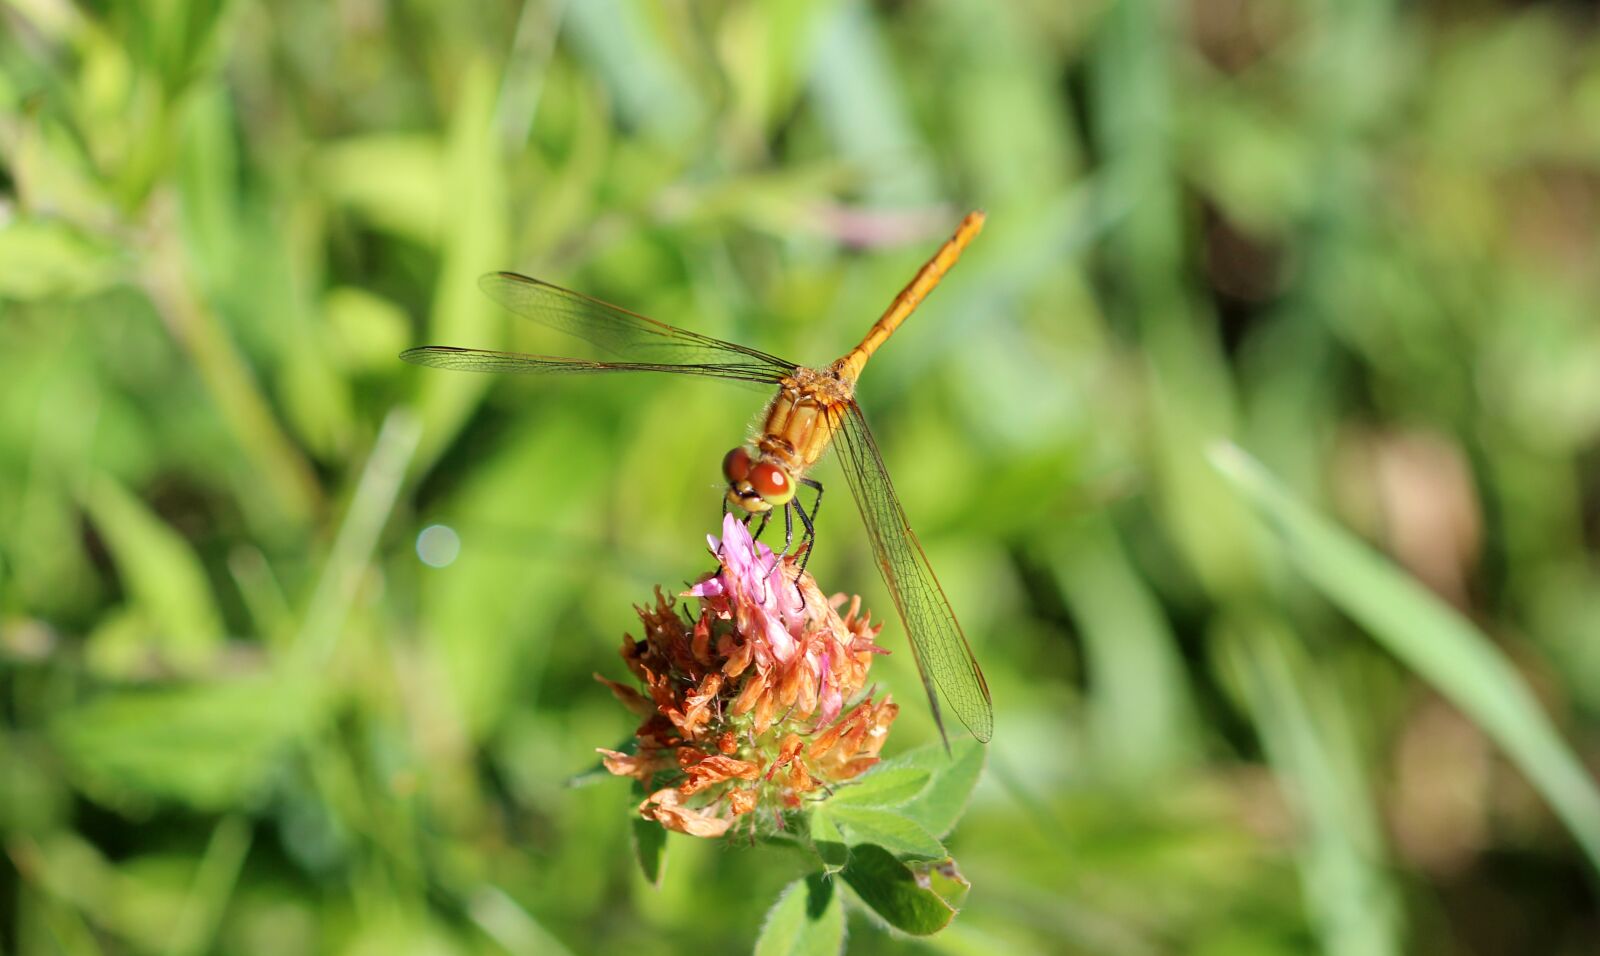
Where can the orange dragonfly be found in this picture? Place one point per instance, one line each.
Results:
(814, 407)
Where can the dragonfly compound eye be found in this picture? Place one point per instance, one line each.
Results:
(772, 483)
(736, 466)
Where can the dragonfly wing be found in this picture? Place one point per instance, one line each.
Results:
(624, 336)
(484, 360)
(944, 658)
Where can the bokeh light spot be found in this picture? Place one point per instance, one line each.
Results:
(438, 545)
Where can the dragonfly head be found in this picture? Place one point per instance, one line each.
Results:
(756, 484)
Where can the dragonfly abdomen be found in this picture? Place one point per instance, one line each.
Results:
(910, 297)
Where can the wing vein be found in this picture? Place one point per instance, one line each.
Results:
(943, 656)
(627, 336)
(487, 360)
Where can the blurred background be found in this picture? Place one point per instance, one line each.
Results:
(253, 705)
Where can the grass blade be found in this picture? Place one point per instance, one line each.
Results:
(1429, 637)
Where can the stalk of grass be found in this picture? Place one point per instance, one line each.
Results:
(1427, 636)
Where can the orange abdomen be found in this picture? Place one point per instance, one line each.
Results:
(911, 296)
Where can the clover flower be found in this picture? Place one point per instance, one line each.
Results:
(754, 702)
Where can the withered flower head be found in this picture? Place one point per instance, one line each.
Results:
(754, 702)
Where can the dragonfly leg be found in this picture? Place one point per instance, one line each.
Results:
(789, 511)
(816, 503)
(765, 517)
(788, 527)
(807, 539)
(809, 520)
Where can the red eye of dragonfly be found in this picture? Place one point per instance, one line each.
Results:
(812, 411)
(772, 483)
(736, 465)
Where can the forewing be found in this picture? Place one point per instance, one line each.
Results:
(943, 656)
(624, 336)
(484, 360)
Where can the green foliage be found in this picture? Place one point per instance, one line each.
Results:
(807, 920)
(868, 833)
(1432, 639)
(892, 891)
(650, 845)
(1354, 240)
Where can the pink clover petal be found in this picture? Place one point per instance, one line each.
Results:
(710, 587)
(738, 548)
(780, 640)
(828, 707)
(750, 578)
(829, 700)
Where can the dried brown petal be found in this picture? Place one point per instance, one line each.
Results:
(753, 689)
(714, 770)
(799, 780)
(791, 745)
(640, 766)
(665, 808)
(630, 698)
(742, 801)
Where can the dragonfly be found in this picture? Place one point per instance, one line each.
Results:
(814, 408)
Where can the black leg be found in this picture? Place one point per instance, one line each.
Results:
(816, 504)
(765, 517)
(810, 537)
(788, 527)
(807, 540)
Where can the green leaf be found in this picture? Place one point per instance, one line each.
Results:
(368, 329)
(393, 179)
(952, 777)
(208, 173)
(1140, 719)
(807, 920)
(1429, 637)
(650, 849)
(481, 612)
(945, 879)
(1310, 739)
(162, 574)
(882, 788)
(890, 889)
(886, 828)
(828, 842)
(628, 52)
(473, 234)
(209, 745)
(40, 259)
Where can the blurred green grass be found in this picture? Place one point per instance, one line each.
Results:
(1356, 239)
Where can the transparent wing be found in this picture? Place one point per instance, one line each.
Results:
(943, 656)
(622, 335)
(484, 360)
